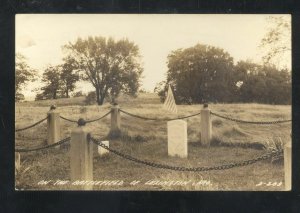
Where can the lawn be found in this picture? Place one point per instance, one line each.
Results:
(147, 140)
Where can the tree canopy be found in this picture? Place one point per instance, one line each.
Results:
(110, 66)
(68, 76)
(263, 83)
(207, 74)
(23, 74)
(201, 73)
(276, 44)
(51, 79)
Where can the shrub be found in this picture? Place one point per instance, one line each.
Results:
(90, 98)
(19, 97)
(78, 94)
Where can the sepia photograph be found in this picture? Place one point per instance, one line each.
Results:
(153, 102)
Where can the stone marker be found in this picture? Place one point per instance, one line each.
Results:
(288, 166)
(101, 150)
(81, 156)
(177, 138)
(205, 126)
(53, 126)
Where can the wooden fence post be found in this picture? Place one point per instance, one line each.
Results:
(205, 126)
(288, 166)
(53, 126)
(17, 161)
(81, 157)
(115, 129)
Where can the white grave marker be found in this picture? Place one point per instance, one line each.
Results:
(177, 138)
(101, 150)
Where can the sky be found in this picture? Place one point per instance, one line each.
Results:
(40, 37)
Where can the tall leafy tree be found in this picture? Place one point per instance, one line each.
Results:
(53, 84)
(110, 66)
(276, 44)
(23, 74)
(263, 84)
(68, 76)
(201, 73)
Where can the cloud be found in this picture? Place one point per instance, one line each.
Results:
(25, 41)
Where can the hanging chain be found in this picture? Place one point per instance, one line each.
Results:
(156, 119)
(43, 147)
(190, 169)
(28, 127)
(250, 122)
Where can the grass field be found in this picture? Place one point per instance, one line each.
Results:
(148, 140)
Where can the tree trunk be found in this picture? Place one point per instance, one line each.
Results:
(101, 100)
(67, 93)
(98, 96)
(54, 95)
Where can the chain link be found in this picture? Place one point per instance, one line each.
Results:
(89, 121)
(44, 147)
(190, 169)
(155, 119)
(33, 125)
(250, 122)
(67, 119)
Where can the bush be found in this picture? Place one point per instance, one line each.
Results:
(78, 94)
(91, 98)
(19, 97)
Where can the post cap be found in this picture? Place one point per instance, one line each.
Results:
(52, 107)
(205, 105)
(81, 122)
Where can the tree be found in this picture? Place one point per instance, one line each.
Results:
(276, 44)
(110, 66)
(23, 74)
(53, 84)
(200, 74)
(68, 76)
(262, 83)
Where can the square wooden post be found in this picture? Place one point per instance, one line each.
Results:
(115, 128)
(17, 161)
(205, 126)
(288, 166)
(53, 126)
(81, 156)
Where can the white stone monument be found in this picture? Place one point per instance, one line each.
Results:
(101, 150)
(177, 138)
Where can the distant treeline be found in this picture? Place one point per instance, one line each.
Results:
(197, 74)
(207, 74)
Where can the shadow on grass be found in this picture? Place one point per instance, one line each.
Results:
(126, 137)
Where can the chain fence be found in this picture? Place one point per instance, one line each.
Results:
(191, 169)
(43, 147)
(250, 122)
(88, 121)
(97, 119)
(33, 125)
(157, 119)
(67, 119)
